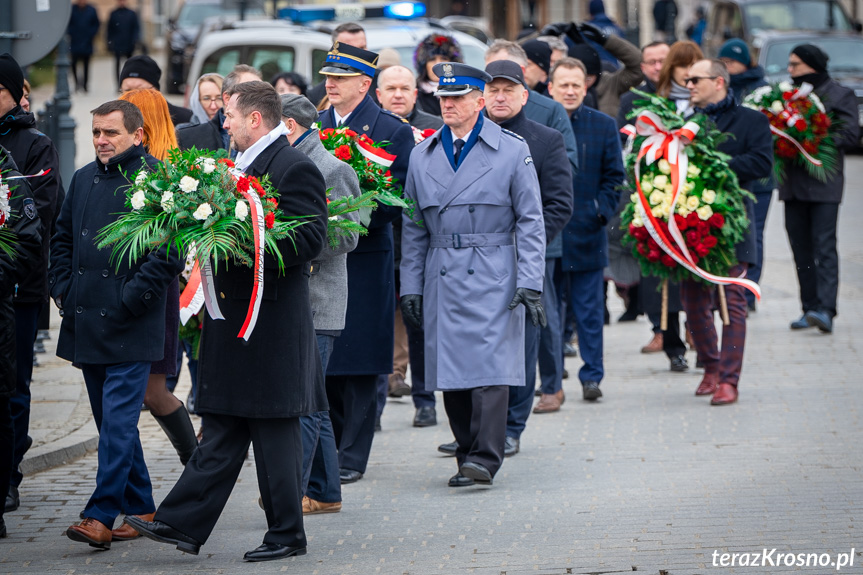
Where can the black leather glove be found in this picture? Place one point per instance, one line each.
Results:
(412, 309)
(531, 300)
(556, 29)
(593, 33)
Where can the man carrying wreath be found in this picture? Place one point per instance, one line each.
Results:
(256, 391)
(751, 149)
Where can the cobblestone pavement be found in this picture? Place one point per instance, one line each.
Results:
(650, 478)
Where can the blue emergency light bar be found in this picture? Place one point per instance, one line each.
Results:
(348, 12)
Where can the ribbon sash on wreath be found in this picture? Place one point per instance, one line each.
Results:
(660, 142)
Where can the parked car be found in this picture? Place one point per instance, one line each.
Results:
(745, 19)
(183, 31)
(845, 64)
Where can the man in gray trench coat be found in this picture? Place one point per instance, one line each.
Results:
(477, 193)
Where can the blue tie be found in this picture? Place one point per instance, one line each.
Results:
(457, 146)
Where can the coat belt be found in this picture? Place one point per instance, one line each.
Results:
(457, 241)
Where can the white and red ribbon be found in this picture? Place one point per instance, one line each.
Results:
(37, 174)
(209, 288)
(192, 298)
(376, 155)
(661, 142)
(256, 211)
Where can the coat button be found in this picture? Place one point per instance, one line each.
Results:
(79, 309)
(222, 295)
(103, 312)
(471, 209)
(105, 273)
(80, 271)
(85, 231)
(470, 271)
(443, 272)
(148, 295)
(96, 180)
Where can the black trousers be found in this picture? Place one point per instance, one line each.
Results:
(6, 437)
(353, 406)
(477, 418)
(81, 82)
(811, 228)
(195, 503)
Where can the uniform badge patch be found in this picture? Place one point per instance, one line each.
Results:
(30, 208)
(447, 70)
(528, 160)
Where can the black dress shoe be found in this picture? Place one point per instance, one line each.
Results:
(448, 448)
(425, 417)
(511, 446)
(800, 323)
(477, 472)
(13, 501)
(349, 476)
(270, 551)
(158, 531)
(678, 364)
(590, 390)
(819, 319)
(459, 480)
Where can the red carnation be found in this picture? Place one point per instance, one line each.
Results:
(717, 221)
(653, 256)
(810, 147)
(273, 202)
(270, 220)
(787, 95)
(243, 185)
(428, 132)
(227, 161)
(702, 250)
(668, 261)
(709, 241)
(343, 152)
(800, 125)
(350, 133)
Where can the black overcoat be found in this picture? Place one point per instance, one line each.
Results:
(277, 373)
(111, 313)
(366, 344)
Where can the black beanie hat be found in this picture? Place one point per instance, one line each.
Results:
(142, 67)
(11, 77)
(539, 53)
(812, 56)
(588, 57)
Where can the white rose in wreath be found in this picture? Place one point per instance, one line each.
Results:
(241, 210)
(139, 179)
(188, 184)
(208, 165)
(656, 198)
(708, 196)
(139, 200)
(646, 186)
(203, 212)
(167, 201)
(692, 203)
(776, 107)
(664, 166)
(704, 212)
(660, 181)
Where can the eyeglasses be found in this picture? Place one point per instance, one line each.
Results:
(794, 64)
(696, 79)
(207, 99)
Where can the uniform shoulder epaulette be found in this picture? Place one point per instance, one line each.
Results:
(394, 115)
(513, 134)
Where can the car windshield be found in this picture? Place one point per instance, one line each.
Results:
(846, 55)
(192, 15)
(796, 15)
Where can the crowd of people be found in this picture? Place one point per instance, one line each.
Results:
(515, 172)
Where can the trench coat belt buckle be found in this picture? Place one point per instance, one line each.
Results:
(459, 241)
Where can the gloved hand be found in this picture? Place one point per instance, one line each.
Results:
(412, 309)
(593, 33)
(556, 29)
(531, 300)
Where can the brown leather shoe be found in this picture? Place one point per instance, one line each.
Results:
(398, 387)
(125, 532)
(725, 394)
(549, 402)
(655, 344)
(91, 531)
(313, 507)
(708, 384)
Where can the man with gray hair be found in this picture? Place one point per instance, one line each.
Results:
(328, 293)
(255, 391)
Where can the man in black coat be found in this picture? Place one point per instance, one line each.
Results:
(122, 34)
(113, 317)
(256, 391)
(812, 206)
(751, 149)
(32, 151)
(142, 73)
(18, 214)
(505, 98)
(365, 349)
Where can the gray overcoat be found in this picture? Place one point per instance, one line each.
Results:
(328, 286)
(482, 235)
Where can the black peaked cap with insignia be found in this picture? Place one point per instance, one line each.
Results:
(346, 60)
(456, 79)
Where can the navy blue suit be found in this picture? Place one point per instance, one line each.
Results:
(364, 349)
(596, 190)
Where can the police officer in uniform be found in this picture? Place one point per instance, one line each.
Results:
(477, 190)
(365, 348)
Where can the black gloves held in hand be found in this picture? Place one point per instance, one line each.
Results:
(412, 309)
(593, 33)
(531, 300)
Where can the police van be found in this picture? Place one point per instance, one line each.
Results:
(300, 39)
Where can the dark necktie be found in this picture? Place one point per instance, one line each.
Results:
(457, 146)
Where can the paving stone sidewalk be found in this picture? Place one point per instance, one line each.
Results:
(649, 479)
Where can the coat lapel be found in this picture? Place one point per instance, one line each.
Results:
(261, 165)
(475, 166)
